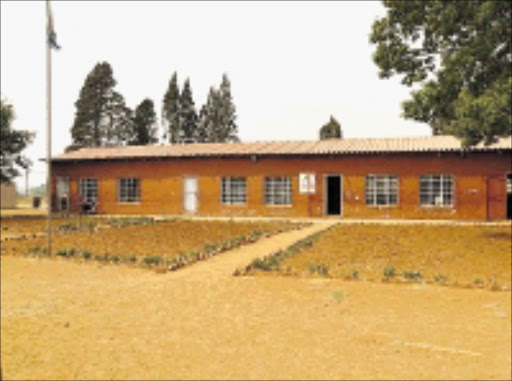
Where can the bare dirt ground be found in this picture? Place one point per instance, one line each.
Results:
(71, 320)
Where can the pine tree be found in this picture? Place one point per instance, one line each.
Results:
(101, 117)
(228, 131)
(331, 130)
(217, 118)
(209, 117)
(144, 119)
(187, 114)
(170, 110)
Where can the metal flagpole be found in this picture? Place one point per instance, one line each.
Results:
(48, 132)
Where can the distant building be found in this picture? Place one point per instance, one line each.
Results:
(415, 178)
(8, 196)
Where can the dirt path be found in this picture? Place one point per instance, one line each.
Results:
(69, 320)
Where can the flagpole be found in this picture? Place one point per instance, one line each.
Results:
(48, 135)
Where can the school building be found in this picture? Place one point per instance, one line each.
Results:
(400, 178)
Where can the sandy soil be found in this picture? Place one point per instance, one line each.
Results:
(71, 320)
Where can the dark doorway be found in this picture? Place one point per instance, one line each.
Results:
(333, 185)
(509, 196)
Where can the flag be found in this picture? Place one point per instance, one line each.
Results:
(50, 32)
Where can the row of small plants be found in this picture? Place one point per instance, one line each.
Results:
(172, 263)
(272, 261)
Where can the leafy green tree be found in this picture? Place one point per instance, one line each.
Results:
(101, 118)
(187, 114)
(217, 118)
(459, 53)
(331, 130)
(170, 110)
(12, 143)
(144, 120)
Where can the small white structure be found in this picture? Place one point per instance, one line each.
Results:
(8, 193)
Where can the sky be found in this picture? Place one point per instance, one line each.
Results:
(291, 65)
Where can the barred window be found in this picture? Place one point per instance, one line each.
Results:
(88, 189)
(436, 190)
(381, 190)
(233, 190)
(128, 190)
(278, 190)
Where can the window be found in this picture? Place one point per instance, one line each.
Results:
(381, 190)
(233, 190)
(88, 189)
(128, 190)
(436, 190)
(278, 190)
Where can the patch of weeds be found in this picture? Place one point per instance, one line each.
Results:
(440, 278)
(37, 250)
(478, 282)
(338, 296)
(355, 274)
(86, 254)
(321, 270)
(412, 275)
(114, 258)
(152, 260)
(389, 272)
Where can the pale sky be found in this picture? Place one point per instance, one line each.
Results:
(291, 64)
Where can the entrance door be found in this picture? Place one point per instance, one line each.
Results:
(62, 194)
(496, 202)
(509, 196)
(333, 195)
(190, 194)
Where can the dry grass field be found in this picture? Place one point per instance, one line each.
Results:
(468, 256)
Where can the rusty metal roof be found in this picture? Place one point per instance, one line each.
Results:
(284, 148)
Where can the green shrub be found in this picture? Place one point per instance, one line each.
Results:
(152, 260)
(389, 271)
(412, 275)
(86, 254)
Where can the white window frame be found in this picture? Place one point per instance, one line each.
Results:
(278, 190)
(88, 189)
(382, 190)
(126, 196)
(233, 190)
(443, 197)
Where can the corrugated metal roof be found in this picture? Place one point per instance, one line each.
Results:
(287, 148)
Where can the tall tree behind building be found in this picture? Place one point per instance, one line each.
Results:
(217, 119)
(187, 114)
(331, 130)
(101, 117)
(144, 124)
(170, 110)
(460, 53)
(12, 143)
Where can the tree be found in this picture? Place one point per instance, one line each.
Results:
(170, 110)
(217, 118)
(460, 53)
(228, 128)
(101, 118)
(12, 143)
(144, 119)
(331, 130)
(187, 114)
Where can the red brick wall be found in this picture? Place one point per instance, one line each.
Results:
(162, 184)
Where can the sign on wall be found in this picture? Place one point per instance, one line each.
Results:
(307, 183)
